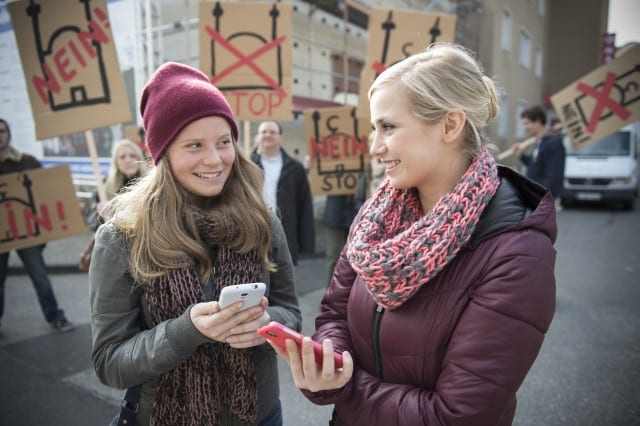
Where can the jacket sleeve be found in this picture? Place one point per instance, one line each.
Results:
(306, 222)
(554, 167)
(283, 301)
(125, 352)
(332, 324)
(490, 352)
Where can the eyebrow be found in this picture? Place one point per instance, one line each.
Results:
(380, 120)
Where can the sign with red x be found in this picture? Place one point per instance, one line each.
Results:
(246, 50)
(395, 35)
(601, 102)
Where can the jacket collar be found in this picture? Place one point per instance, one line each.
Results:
(12, 154)
(518, 203)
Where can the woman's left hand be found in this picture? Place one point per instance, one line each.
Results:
(307, 374)
(245, 335)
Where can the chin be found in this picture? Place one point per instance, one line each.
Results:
(399, 184)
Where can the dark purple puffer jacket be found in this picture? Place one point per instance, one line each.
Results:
(458, 350)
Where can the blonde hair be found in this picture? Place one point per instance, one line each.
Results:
(115, 178)
(443, 78)
(154, 217)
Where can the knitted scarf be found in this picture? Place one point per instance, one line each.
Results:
(396, 250)
(192, 393)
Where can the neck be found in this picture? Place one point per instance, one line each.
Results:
(5, 152)
(270, 153)
(431, 192)
(540, 133)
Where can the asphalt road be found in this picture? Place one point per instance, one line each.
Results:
(586, 374)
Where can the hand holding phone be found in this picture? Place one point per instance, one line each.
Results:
(278, 333)
(250, 294)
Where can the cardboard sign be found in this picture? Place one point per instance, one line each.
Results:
(338, 149)
(395, 35)
(601, 102)
(70, 65)
(37, 206)
(248, 56)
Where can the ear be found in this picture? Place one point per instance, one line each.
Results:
(454, 123)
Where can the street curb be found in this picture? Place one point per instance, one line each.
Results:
(51, 269)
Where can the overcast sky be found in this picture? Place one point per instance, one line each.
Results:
(624, 20)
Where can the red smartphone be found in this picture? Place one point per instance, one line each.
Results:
(278, 333)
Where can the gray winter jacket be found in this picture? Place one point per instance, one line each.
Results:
(128, 351)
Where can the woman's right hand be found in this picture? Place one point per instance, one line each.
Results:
(307, 374)
(216, 323)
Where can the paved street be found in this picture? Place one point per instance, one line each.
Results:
(587, 372)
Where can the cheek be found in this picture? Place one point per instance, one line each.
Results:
(228, 157)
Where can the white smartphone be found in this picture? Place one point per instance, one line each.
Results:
(249, 293)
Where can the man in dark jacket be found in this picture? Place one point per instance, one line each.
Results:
(286, 189)
(12, 161)
(545, 164)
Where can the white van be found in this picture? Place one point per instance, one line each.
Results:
(604, 171)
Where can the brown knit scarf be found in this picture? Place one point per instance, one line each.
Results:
(396, 250)
(194, 391)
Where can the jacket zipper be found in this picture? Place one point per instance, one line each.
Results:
(377, 319)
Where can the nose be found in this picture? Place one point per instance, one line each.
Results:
(212, 157)
(377, 146)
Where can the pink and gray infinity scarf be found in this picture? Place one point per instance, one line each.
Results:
(396, 250)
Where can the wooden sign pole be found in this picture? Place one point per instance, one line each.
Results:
(504, 154)
(246, 129)
(91, 145)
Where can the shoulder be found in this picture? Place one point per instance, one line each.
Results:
(28, 161)
(291, 161)
(519, 203)
(553, 139)
(110, 236)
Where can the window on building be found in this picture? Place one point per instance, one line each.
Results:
(538, 64)
(503, 118)
(525, 49)
(542, 4)
(506, 30)
(521, 132)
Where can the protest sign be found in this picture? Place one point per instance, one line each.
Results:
(601, 102)
(248, 56)
(37, 206)
(395, 35)
(70, 65)
(338, 149)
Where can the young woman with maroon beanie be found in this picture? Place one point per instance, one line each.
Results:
(194, 224)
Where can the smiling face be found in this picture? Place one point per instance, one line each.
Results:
(414, 153)
(269, 139)
(410, 149)
(127, 161)
(202, 156)
(533, 128)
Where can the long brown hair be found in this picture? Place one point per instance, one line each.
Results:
(155, 217)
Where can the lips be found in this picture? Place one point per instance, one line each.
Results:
(390, 164)
(209, 175)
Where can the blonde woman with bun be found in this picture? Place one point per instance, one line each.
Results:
(441, 298)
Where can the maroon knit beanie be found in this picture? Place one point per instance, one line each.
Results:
(176, 95)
